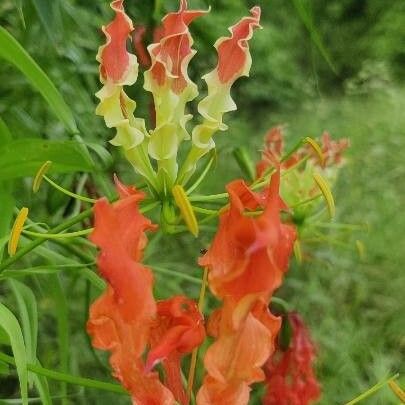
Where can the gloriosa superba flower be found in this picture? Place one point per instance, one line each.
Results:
(153, 153)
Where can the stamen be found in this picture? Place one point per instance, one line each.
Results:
(59, 235)
(16, 231)
(317, 149)
(69, 193)
(40, 175)
(326, 192)
(396, 389)
(186, 209)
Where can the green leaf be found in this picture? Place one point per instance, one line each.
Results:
(48, 12)
(6, 198)
(6, 213)
(23, 157)
(13, 52)
(53, 284)
(102, 153)
(306, 19)
(96, 281)
(41, 383)
(5, 134)
(19, 5)
(27, 308)
(11, 326)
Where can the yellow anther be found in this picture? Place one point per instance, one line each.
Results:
(315, 146)
(298, 251)
(40, 175)
(326, 192)
(186, 210)
(16, 231)
(396, 389)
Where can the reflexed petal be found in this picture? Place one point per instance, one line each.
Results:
(116, 64)
(234, 61)
(178, 329)
(121, 319)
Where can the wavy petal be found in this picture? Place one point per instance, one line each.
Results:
(121, 319)
(168, 81)
(290, 375)
(117, 65)
(179, 328)
(234, 61)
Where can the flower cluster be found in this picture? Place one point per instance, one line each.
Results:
(250, 252)
(246, 261)
(153, 153)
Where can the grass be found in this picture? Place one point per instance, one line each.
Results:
(355, 307)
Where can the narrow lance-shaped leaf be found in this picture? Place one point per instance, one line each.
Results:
(13, 52)
(27, 307)
(23, 157)
(9, 323)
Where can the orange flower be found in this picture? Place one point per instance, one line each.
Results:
(120, 320)
(177, 330)
(333, 150)
(246, 262)
(291, 379)
(249, 254)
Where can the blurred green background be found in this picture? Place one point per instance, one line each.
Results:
(336, 65)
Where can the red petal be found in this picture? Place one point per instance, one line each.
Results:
(233, 51)
(171, 55)
(114, 57)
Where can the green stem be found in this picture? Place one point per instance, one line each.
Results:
(59, 235)
(69, 193)
(57, 229)
(205, 210)
(174, 273)
(372, 390)
(211, 197)
(68, 378)
(201, 178)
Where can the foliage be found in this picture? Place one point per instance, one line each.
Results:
(359, 327)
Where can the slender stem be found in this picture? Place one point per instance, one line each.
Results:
(174, 273)
(59, 235)
(57, 229)
(372, 390)
(201, 178)
(193, 362)
(69, 193)
(204, 210)
(68, 378)
(307, 201)
(211, 197)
